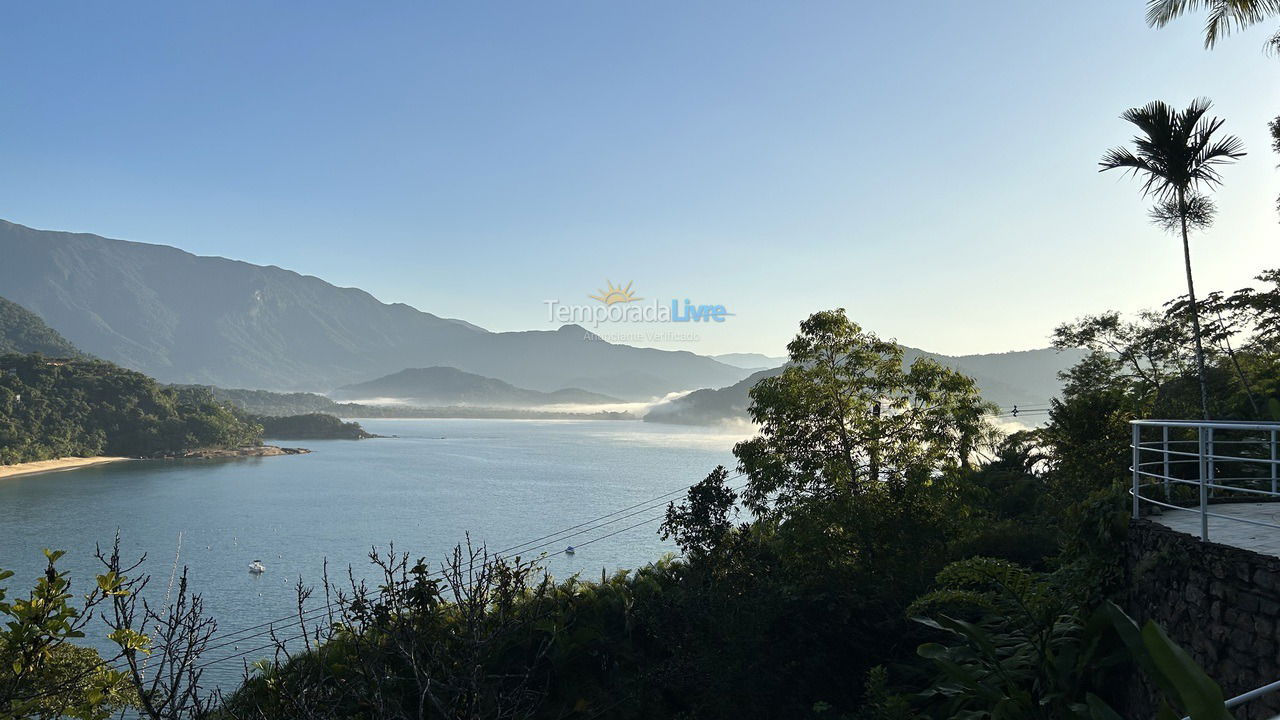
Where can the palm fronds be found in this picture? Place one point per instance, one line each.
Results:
(1225, 16)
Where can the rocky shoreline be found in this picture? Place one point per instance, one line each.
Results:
(247, 451)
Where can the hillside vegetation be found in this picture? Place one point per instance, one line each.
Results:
(59, 408)
(22, 331)
(312, 426)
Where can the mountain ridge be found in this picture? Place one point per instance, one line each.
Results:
(185, 318)
(447, 386)
(1031, 384)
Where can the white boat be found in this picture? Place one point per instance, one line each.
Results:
(256, 567)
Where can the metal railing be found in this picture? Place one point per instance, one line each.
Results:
(1194, 464)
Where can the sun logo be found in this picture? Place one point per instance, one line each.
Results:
(615, 294)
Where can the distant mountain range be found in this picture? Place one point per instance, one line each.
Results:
(750, 361)
(1025, 378)
(446, 386)
(710, 406)
(208, 320)
(272, 404)
(182, 318)
(22, 331)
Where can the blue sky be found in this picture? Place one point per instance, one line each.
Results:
(931, 167)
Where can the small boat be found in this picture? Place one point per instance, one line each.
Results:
(257, 568)
(568, 550)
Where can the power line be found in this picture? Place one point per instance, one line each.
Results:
(243, 634)
(280, 643)
(292, 619)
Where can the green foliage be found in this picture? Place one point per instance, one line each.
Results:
(22, 331)
(1177, 155)
(1028, 645)
(1225, 16)
(701, 526)
(44, 675)
(845, 418)
(1187, 690)
(58, 408)
(312, 426)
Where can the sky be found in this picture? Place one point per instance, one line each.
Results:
(930, 166)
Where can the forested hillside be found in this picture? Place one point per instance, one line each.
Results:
(59, 408)
(311, 426)
(22, 331)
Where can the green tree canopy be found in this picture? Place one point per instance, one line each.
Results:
(847, 418)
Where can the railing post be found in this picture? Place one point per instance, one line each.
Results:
(1168, 492)
(1208, 463)
(1273, 461)
(1137, 429)
(1204, 489)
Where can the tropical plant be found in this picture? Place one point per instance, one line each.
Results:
(1225, 16)
(1177, 156)
(1021, 646)
(1025, 645)
(42, 673)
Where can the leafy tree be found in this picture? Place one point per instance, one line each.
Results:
(42, 673)
(1177, 157)
(1274, 127)
(1150, 349)
(701, 524)
(846, 419)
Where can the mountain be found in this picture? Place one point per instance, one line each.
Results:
(23, 332)
(265, 403)
(1024, 377)
(750, 361)
(446, 386)
(1027, 378)
(710, 407)
(182, 318)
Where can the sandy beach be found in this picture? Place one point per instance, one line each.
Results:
(42, 466)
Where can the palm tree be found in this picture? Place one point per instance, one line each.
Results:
(1224, 16)
(1177, 156)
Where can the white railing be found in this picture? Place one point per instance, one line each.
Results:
(1192, 463)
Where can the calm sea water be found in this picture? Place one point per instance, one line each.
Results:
(503, 481)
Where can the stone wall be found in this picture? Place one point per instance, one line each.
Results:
(1221, 603)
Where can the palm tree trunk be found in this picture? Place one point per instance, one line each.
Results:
(1195, 310)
